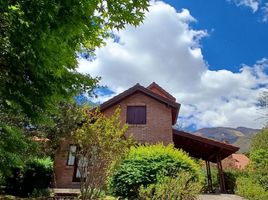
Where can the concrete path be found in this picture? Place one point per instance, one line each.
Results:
(219, 197)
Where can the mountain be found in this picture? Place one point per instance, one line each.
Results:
(240, 136)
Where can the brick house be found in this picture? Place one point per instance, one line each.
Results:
(235, 161)
(150, 113)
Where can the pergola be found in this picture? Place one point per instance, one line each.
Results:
(205, 149)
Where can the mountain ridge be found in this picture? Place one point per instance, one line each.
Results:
(240, 136)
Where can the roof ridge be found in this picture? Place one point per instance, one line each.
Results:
(161, 90)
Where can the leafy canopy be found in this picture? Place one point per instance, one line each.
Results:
(39, 44)
(260, 140)
(15, 148)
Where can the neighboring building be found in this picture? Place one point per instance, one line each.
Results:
(235, 161)
(150, 113)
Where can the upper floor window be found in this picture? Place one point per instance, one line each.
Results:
(136, 114)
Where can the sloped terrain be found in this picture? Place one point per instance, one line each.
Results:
(240, 136)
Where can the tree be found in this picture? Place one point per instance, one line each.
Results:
(260, 141)
(15, 148)
(40, 41)
(101, 144)
(259, 158)
(69, 118)
(263, 103)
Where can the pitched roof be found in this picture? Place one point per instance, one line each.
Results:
(241, 159)
(138, 88)
(201, 147)
(154, 87)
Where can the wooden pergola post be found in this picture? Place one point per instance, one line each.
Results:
(221, 174)
(209, 180)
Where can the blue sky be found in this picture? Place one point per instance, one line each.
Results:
(211, 55)
(236, 34)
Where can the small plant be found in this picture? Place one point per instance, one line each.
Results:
(180, 186)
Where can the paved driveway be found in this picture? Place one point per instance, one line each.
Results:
(220, 197)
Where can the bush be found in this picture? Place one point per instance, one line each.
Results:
(142, 165)
(182, 186)
(248, 188)
(35, 175)
(230, 178)
(259, 167)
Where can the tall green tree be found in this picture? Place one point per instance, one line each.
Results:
(39, 44)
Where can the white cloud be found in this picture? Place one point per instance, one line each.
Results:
(265, 12)
(252, 4)
(167, 50)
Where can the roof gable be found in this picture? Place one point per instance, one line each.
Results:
(138, 88)
(159, 90)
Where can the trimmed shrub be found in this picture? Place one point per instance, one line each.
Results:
(142, 165)
(248, 188)
(182, 186)
(35, 175)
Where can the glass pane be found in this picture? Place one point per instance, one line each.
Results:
(82, 165)
(78, 174)
(71, 157)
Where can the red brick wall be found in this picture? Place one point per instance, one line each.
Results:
(157, 129)
(159, 120)
(62, 172)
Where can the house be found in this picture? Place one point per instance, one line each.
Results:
(150, 113)
(235, 161)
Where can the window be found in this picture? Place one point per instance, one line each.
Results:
(71, 155)
(136, 114)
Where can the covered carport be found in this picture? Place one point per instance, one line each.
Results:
(206, 149)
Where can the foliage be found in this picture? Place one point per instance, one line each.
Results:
(255, 185)
(260, 140)
(179, 186)
(259, 167)
(142, 165)
(101, 143)
(70, 117)
(259, 158)
(35, 175)
(250, 189)
(230, 178)
(40, 41)
(40, 193)
(15, 148)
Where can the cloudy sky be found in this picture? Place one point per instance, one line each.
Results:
(212, 56)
